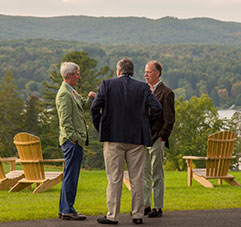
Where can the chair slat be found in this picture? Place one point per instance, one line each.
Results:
(2, 174)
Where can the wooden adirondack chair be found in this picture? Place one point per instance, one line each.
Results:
(12, 177)
(30, 154)
(219, 153)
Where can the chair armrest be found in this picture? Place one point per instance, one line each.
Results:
(11, 160)
(42, 161)
(221, 158)
(207, 158)
(37, 161)
(54, 160)
(194, 158)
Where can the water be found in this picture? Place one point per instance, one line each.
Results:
(226, 113)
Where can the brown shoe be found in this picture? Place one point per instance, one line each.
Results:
(73, 217)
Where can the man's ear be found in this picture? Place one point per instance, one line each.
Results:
(118, 73)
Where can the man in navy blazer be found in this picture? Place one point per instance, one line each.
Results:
(122, 113)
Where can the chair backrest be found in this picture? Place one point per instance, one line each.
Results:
(219, 153)
(2, 174)
(30, 154)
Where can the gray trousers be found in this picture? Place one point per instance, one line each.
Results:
(154, 175)
(115, 155)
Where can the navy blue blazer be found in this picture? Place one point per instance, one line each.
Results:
(124, 110)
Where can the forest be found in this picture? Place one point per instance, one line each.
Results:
(189, 69)
(30, 107)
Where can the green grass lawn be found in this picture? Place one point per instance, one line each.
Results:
(91, 197)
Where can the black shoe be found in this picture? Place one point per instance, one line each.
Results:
(73, 217)
(60, 215)
(137, 221)
(104, 220)
(154, 213)
(147, 210)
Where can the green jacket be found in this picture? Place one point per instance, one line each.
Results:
(72, 124)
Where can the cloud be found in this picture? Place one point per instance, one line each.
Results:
(68, 1)
(217, 9)
(77, 2)
(225, 2)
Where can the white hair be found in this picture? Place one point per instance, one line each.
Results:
(68, 68)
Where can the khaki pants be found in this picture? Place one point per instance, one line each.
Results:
(115, 155)
(154, 175)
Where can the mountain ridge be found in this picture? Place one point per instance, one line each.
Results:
(117, 30)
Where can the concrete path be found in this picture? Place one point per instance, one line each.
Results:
(193, 218)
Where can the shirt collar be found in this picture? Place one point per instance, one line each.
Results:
(125, 75)
(155, 85)
(69, 86)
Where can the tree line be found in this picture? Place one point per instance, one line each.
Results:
(190, 70)
(195, 118)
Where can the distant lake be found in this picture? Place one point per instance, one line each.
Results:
(226, 113)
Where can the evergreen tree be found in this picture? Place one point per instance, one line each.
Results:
(31, 121)
(11, 114)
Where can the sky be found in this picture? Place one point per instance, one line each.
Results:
(224, 10)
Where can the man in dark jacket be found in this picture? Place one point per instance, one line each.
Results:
(120, 113)
(160, 131)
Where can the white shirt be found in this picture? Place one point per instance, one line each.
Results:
(155, 86)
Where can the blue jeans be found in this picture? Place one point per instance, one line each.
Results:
(73, 154)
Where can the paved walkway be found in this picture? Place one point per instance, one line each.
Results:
(194, 218)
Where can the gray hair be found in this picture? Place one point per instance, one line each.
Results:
(157, 66)
(125, 66)
(68, 68)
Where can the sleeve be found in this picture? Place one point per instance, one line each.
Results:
(85, 102)
(98, 105)
(168, 116)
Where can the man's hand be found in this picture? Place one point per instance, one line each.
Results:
(91, 95)
(161, 139)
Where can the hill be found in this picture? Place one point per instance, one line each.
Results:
(117, 30)
(189, 69)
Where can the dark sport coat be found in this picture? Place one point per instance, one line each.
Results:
(120, 111)
(164, 124)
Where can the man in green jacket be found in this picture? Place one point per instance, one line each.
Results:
(73, 136)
